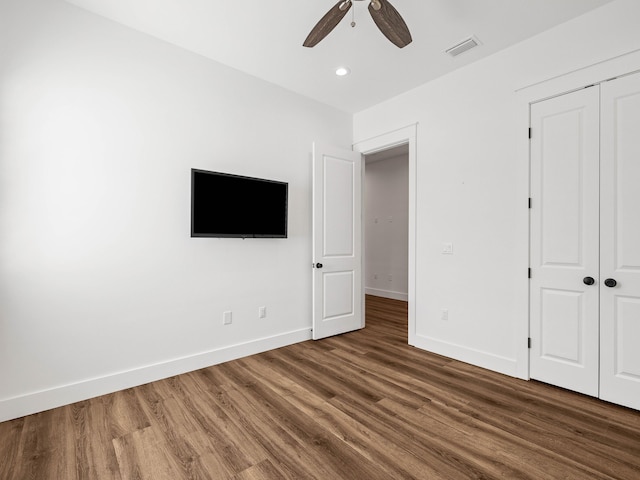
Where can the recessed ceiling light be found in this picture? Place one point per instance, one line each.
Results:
(342, 71)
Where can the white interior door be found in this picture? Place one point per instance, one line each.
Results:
(337, 241)
(564, 241)
(620, 238)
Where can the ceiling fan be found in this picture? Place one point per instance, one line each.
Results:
(384, 15)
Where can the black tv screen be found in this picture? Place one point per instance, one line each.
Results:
(225, 205)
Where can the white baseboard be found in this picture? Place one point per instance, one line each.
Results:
(496, 363)
(387, 294)
(35, 402)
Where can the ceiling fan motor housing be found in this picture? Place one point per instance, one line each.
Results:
(374, 3)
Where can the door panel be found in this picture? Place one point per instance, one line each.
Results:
(337, 232)
(620, 238)
(627, 333)
(338, 294)
(339, 175)
(564, 241)
(560, 172)
(563, 325)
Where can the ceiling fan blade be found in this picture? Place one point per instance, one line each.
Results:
(390, 23)
(327, 23)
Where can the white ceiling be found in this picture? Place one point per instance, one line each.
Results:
(264, 38)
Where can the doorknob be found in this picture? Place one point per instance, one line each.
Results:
(588, 280)
(318, 265)
(610, 282)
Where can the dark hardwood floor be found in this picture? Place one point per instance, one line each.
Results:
(363, 405)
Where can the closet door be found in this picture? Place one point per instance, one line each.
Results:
(620, 239)
(564, 241)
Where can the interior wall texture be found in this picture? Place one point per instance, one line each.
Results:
(101, 286)
(386, 220)
(469, 186)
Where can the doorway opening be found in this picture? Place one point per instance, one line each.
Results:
(386, 223)
(404, 140)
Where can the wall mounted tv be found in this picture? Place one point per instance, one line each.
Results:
(225, 205)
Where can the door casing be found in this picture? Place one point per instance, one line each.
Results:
(385, 141)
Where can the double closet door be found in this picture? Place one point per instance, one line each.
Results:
(585, 241)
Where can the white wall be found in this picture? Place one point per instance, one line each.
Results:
(472, 188)
(101, 286)
(386, 196)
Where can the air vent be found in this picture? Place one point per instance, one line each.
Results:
(463, 46)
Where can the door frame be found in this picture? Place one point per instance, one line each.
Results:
(526, 95)
(385, 141)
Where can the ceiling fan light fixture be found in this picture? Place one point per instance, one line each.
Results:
(342, 71)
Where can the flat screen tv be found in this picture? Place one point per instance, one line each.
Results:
(225, 205)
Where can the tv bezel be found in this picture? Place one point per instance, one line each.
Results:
(195, 171)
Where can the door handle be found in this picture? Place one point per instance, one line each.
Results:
(610, 282)
(318, 265)
(588, 280)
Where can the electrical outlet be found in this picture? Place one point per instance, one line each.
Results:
(262, 312)
(227, 318)
(375, 276)
(447, 248)
(444, 314)
(390, 278)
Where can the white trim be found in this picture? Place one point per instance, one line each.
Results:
(618, 66)
(377, 292)
(383, 142)
(34, 402)
(496, 363)
(596, 72)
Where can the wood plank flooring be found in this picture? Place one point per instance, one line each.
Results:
(363, 405)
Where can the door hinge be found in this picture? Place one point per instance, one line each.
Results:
(529, 342)
(529, 132)
(529, 202)
(529, 272)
